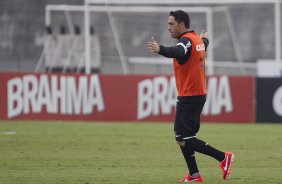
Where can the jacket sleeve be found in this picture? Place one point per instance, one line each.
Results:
(182, 47)
(206, 42)
(172, 52)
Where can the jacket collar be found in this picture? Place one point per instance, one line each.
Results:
(192, 31)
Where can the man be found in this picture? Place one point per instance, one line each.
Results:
(189, 68)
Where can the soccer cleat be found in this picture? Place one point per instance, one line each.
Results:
(189, 178)
(226, 164)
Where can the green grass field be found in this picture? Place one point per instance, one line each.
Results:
(133, 153)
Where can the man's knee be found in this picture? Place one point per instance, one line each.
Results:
(188, 143)
(182, 144)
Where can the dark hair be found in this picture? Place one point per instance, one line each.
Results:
(181, 16)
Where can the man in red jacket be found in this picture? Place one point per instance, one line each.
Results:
(189, 69)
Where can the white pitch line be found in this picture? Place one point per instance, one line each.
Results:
(8, 133)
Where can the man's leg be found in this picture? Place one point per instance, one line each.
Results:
(189, 156)
(187, 125)
(203, 147)
(190, 159)
(195, 144)
(180, 127)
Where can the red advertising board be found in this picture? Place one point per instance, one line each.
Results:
(230, 99)
(29, 96)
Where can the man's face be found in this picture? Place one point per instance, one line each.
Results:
(173, 27)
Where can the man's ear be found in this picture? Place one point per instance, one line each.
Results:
(182, 25)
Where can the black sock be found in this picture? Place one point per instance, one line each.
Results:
(189, 156)
(202, 147)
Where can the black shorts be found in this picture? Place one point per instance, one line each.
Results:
(187, 120)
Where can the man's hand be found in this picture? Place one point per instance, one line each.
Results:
(153, 46)
(204, 34)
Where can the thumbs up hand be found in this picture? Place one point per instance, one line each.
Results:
(204, 34)
(153, 45)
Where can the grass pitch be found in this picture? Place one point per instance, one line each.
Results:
(131, 153)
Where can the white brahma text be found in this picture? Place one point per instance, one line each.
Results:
(59, 94)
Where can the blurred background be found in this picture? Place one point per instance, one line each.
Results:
(49, 36)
